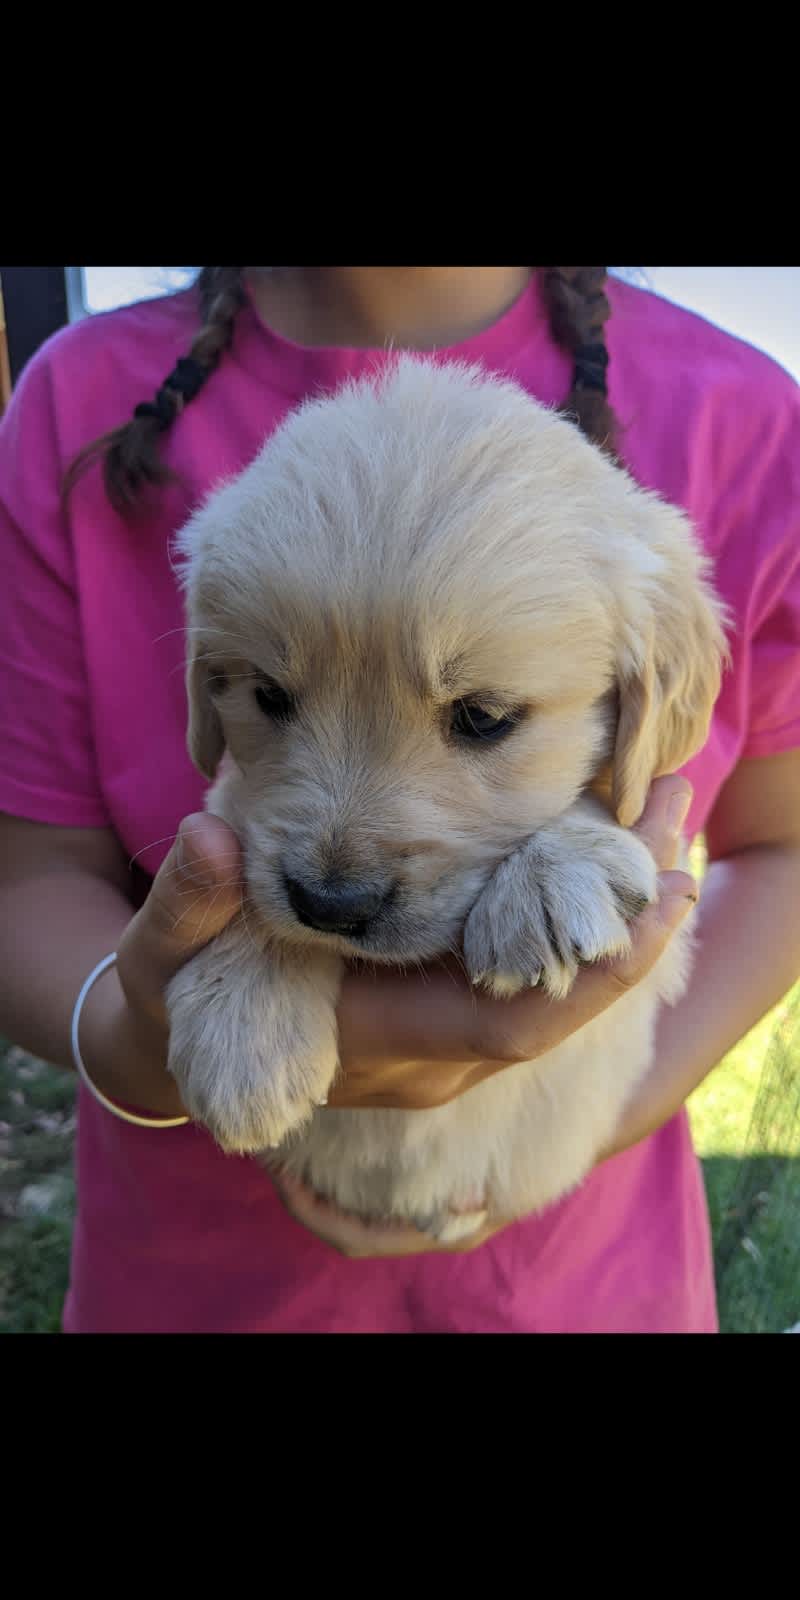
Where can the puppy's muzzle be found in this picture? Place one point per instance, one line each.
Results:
(337, 907)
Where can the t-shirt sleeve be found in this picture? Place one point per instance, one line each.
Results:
(774, 654)
(48, 770)
(775, 682)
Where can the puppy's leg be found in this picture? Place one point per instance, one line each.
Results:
(565, 897)
(253, 1043)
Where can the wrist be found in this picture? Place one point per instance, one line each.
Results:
(125, 1055)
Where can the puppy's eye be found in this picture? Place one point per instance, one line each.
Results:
(471, 721)
(274, 701)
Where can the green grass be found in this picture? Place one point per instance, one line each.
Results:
(37, 1191)
(746, 1125)
(745, 1119)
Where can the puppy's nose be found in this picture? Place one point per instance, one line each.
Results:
(336, 907)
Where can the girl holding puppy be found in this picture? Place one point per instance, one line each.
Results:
(150, 407)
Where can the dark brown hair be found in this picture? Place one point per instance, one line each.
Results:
(578, 309)
(577, 306)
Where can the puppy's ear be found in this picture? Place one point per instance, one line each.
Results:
(204, 738)
(669, 667)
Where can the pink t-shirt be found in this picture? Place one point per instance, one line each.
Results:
(171, 1235)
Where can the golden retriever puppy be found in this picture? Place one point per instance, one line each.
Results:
(421, 623)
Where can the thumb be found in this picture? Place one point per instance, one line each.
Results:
(194, 895)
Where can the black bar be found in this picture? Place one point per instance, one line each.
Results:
(35, 300)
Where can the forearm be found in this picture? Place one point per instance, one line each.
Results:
(748, 955)
(55, 929)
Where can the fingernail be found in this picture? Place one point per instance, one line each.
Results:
(201, 871)
(678, 811)
(675, 907)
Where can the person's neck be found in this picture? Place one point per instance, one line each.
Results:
(413, 308)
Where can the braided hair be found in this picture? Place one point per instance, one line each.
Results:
(129, 454)
(577, 307)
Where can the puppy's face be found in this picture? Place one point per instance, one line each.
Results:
(414, 620)
(384, 767)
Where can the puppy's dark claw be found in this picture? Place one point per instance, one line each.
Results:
(629, 903)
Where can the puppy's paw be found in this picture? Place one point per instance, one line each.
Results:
(253, 1044)
(565, 898)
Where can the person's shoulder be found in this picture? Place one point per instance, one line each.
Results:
(143, 334)
(707, 419)
(678, 347)
(107, 360)
(89, 375)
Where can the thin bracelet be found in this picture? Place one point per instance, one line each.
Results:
(116, 1111)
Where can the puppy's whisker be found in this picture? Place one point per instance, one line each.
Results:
(230, 883)
(188, 628)
(192, 875)
(217, 655)
(178, 920)
(198, 881)
(176, 924)
(209, 907)
(457, 953)
(203, 630)
(168, 838)
(243, 904)
(232, 642)
(251, 676)
(180, 667)
(439, 961)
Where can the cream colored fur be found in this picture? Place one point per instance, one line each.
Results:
(418, 539)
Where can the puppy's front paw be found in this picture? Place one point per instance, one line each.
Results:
(566, 897)
(253, 1043)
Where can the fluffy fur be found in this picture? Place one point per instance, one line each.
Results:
(429, 537)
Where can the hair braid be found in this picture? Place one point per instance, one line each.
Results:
(130, 454)
(578, 307)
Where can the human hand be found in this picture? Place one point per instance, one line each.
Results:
(124, 1027)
